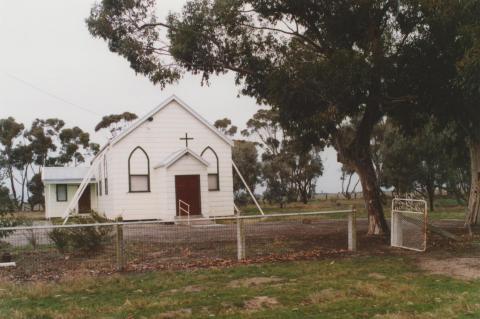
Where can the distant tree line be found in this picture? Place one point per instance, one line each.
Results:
(47, 142)
(269, 156)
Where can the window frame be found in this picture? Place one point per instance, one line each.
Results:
(66, 192)
(143, 175)
(218, 169)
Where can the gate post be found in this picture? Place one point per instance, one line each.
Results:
(397, 232)
(119, 247)
(240, 238)
(352, 230)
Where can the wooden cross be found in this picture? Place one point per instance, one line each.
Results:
(186, 139)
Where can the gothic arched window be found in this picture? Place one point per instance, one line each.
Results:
(138, 171)
(213, 169)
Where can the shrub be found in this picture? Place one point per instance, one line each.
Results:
(59, 237)
(84, 240)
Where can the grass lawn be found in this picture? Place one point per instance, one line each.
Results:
(360, 287)
(445, 208)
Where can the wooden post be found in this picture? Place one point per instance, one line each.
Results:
(119, 247)
(352, 230)
(240, 238)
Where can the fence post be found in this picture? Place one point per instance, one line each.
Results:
(352, 230)
(240, 238)
(119, 247)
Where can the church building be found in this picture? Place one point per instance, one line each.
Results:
(169, 163)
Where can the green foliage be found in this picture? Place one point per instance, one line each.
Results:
(225, 126)
(115, 123)
(36, 188)
(60, 238)
(432, 159)
(289, 168)
(84, 240)
(7, 205)
(42, 136)
(245, 156)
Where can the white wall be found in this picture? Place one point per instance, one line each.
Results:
(159, 138)
(57, 209)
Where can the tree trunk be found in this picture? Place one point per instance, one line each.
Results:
(12, 184)
(376, 220)
(356, 153)
(431, 196)
(474, 199)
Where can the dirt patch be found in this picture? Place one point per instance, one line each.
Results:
(460, 267)
(253, 281)
(193, 289)
(181, 313)
(261, 302)
(378, 276)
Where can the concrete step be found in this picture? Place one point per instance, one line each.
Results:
(195, 220)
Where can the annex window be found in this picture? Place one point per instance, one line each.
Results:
(62, 194)
(138, 171)
(213, 169)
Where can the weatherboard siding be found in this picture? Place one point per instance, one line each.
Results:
(55, 209)
(160, 138)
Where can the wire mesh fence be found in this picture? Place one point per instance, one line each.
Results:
(409, 224)
(54, 250)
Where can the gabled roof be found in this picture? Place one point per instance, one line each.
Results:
(64, 175)
(175, 156)
(140, 121)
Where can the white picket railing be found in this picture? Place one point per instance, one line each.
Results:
(185, 210)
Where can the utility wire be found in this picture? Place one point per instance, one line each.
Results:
(49, 94)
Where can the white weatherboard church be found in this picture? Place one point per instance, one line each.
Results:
(168, 163)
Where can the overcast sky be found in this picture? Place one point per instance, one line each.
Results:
(50, 66)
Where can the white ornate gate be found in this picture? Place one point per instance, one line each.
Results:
(409, 223)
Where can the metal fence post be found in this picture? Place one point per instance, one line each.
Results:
(240, 238)
(352, 230)
(397, 231)
(119, 247)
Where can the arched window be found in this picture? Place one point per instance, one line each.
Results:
(138, 171)
(213, 169)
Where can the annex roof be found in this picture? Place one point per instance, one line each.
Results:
(64, 175)
(175, 156)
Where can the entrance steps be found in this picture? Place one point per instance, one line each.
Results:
(195, 220)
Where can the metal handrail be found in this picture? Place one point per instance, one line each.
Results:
(180, 209)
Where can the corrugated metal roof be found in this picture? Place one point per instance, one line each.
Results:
(53, 175)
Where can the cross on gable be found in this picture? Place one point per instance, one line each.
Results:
(186, 139)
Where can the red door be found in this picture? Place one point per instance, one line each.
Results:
(187, 189)
(84, 204)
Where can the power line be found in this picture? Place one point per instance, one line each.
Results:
(49, 94)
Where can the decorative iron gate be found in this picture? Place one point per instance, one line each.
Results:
(409, 223)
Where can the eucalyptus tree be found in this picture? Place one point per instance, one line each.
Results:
(115, 123)
(442, 71)
(10, 130)
(225, 126)
(319, 63)
(43, 137)
(74, 146)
